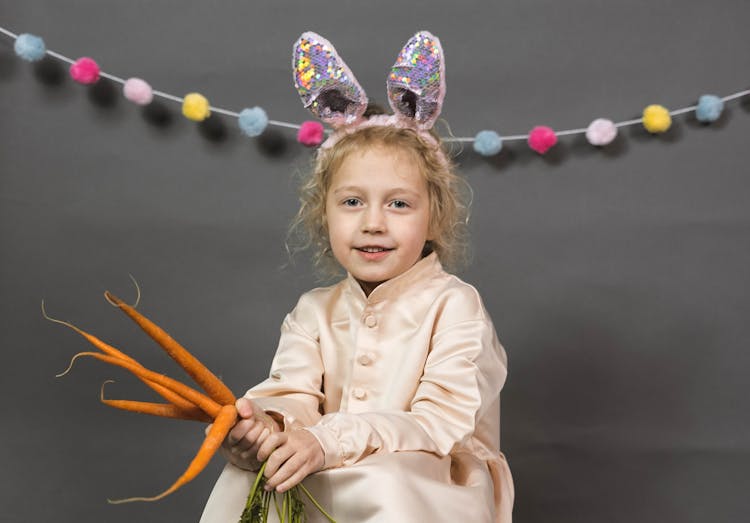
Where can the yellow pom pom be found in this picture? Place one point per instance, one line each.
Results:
(656, 119)
(195, 107)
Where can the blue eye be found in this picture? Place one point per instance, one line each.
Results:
(399, 204)
(351, 202)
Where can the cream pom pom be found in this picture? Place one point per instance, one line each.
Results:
(601, 132)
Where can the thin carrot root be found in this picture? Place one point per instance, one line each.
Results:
(108, 296)
(138, 291)
(207, 380)
(70, 365)
(101, 391)
(44, 313)
(219, 430)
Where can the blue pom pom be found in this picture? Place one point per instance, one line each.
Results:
(488, 143)
(253, 121)
(709, 108)
(29, 47)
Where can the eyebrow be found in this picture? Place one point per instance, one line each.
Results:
(354, 188)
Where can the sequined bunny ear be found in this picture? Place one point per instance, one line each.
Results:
(416, 84)
(325, 84)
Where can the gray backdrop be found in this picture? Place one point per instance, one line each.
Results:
(616, 278)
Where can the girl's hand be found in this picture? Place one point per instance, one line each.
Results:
(291, 457)
(242, 443)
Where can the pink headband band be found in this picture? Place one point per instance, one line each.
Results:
(328, 89)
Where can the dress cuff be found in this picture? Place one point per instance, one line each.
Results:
(331, 447)
(288, 420)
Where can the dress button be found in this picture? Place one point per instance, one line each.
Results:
(365, 359)
(371, 320)
(359, 393)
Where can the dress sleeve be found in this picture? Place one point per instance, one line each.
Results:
(462, 378)
(293, 388)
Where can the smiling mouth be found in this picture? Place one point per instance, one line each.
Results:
(373, 249)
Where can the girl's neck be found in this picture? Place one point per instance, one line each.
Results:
(368, 286)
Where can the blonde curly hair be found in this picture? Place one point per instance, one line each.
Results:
(449, 196)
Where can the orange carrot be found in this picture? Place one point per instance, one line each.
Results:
(208, 381)
(165, 410)
(216, 434)
(202, 401)
(165, 393)
(187, 403)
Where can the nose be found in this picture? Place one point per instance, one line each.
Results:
(373, 220)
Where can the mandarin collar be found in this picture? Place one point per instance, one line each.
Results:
(422, 270)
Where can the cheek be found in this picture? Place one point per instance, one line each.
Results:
(431, 231)
(430, 226)
(334, 229)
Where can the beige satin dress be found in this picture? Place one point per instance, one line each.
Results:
(402, 390)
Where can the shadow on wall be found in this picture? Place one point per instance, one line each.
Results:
(105, 95)
(518, 151)
(600, 410)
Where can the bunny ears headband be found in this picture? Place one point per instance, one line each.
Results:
(329, 90)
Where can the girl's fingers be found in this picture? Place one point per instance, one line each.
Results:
(250, 438)
(273, 441)
(294, 479)
(253, 450)
(240, 429)
(244, 407)
(294, 465)
(276, 460)
(254, 434)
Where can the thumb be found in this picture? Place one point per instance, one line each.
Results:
(244, 407)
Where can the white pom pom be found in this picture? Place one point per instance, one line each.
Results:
(138, 91)
(601, 132)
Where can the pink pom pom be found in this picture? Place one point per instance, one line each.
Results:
(542, 138)
(601, 132)
(138, 91)
(310, 134)
(85, 71)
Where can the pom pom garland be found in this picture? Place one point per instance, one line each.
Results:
(310, 133)
(488, 143)
(138, 91)
(85, 71)
(195, 107)
(656, 119)
(709, 108)
(30, 47)
(253, 121)
(542, 138)
(601, 132)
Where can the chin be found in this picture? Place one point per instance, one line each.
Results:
(372, 279)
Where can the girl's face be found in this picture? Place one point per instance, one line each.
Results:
(378, 214)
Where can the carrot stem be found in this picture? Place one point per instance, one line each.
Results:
(222, 424)
(207, 380)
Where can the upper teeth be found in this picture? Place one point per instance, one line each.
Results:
(373, 249)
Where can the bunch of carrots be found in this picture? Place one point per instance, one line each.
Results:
(216, 406)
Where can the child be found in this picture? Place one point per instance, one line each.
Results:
(386, 385)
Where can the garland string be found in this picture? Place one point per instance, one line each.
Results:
(540, 138)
